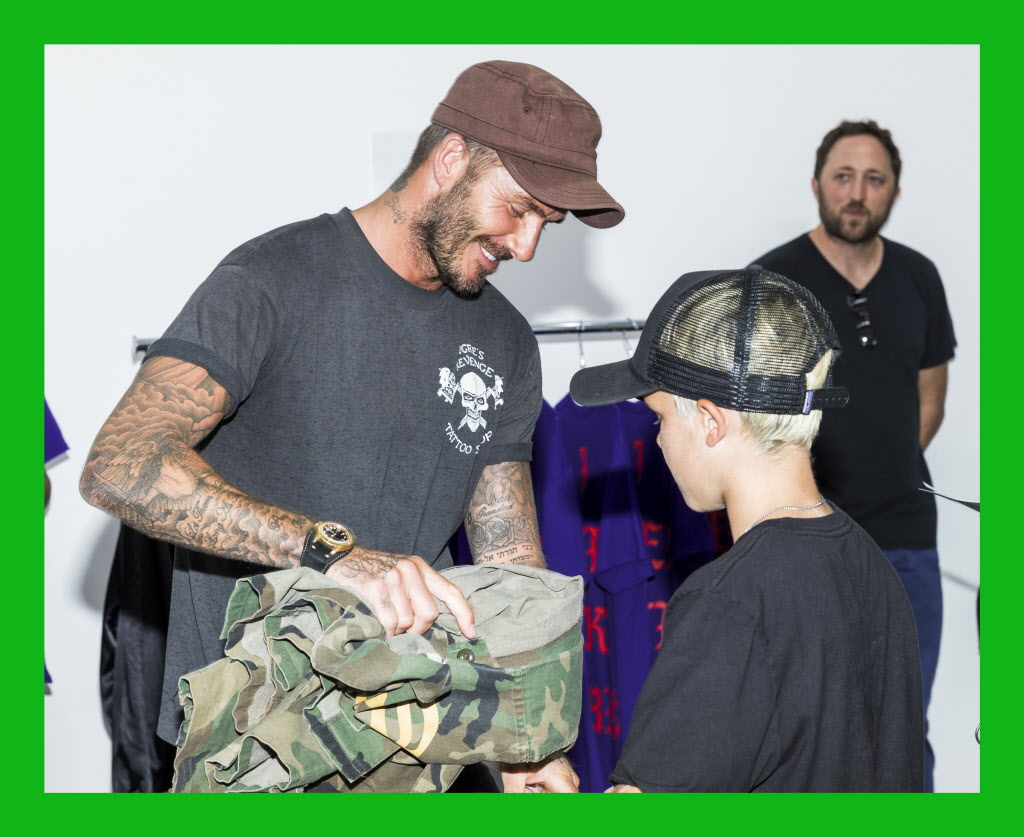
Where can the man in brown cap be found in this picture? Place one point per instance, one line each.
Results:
(509, 149)
(342, 392)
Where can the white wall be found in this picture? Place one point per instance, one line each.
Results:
(159, 160)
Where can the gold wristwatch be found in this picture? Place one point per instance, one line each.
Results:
(326, 544)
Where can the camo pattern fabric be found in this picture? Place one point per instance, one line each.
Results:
(311, 691)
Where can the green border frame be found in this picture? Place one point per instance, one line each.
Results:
(739, 22)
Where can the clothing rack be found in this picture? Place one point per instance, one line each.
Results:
(140, 345)
(591, 327)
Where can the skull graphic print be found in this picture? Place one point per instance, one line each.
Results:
(474, 398)
(475, 394)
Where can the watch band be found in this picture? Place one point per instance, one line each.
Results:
(326, 544)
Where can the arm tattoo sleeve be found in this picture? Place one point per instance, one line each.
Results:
(143, 469)
(501, 523)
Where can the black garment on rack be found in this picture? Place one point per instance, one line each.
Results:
(135, 614)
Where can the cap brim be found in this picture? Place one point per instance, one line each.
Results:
(596, 386)
(576, 191)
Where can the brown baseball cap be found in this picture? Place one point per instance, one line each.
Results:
(545, 134)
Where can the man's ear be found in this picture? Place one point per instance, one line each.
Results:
(816, 188)
(448, 162)
(713, 420)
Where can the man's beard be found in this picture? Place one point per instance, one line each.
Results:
(445, 228)
(870, 224)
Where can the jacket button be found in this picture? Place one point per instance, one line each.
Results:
(465, 654)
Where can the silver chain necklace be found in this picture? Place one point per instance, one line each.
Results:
(782, 508)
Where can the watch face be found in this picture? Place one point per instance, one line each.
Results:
(334, 535)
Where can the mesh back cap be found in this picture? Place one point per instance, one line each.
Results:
(745, 339)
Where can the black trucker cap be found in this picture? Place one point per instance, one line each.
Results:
(745, 339)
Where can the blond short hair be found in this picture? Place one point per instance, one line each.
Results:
(707, 335)
(771, 433)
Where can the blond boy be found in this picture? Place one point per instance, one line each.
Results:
(790, 662)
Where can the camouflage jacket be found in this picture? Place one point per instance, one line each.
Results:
(311, 690)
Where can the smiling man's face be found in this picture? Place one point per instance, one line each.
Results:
(484, 219)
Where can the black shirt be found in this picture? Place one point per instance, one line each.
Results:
(788, 664)
(351, 392)
(868, 457)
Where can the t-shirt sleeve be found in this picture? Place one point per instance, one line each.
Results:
(940, 341)
(228, 327)
(705, 717)
(523, 397)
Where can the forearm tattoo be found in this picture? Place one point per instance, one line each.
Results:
(501, 523)
(143, 469)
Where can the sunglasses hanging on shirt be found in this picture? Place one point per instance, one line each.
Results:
(857, 303)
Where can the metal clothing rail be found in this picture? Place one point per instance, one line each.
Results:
(140, 345)
(591, 327)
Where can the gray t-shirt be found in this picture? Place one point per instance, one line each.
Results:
(357, 397)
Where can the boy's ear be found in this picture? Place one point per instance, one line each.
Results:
(713, 422)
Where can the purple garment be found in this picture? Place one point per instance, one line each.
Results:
(554, 488)
(54, 441)
(462, 555)
(54, 446)
(672, 531)
(677, 539)
(616, 643)
(611, 539)
(602, 732)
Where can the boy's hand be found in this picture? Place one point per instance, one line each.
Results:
(623, 789)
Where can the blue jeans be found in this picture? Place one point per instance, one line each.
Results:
(919, 571)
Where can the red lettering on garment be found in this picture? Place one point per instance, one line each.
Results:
(651, 532)
(595, 708)
(604, 706)
(638, 446)
(592, 616)
(612, 724)
(659, 606)
(616, 727)
(593, 532)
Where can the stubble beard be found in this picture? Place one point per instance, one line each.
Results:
(835, 226)
(445, 228)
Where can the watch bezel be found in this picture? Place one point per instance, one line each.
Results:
(326, 534)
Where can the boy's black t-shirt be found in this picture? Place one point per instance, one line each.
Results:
(788, 664)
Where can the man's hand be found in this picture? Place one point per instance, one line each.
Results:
(401, 590)
(623, 789)
(553, 775)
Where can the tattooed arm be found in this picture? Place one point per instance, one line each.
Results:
(143, 468)
(501, 523)
(501, 526)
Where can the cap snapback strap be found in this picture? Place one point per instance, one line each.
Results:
(820, 399)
